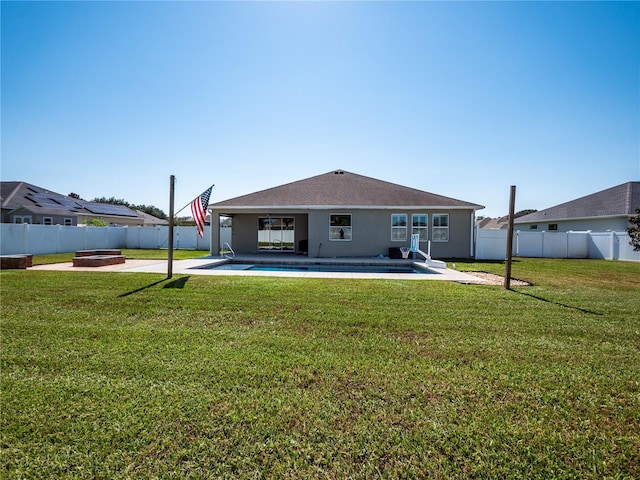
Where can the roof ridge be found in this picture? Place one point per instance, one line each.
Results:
(629, 198)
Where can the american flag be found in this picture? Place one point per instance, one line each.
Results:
(199, 210)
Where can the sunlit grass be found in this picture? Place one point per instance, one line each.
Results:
(137, 254)
(121, 375)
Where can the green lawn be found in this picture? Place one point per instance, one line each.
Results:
(122, 375)
(182, 254)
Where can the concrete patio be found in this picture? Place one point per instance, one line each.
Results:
(199, 266)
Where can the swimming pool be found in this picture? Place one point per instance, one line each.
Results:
(318, 267)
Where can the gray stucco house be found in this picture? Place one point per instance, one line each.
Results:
(26, 203)
(343, 214)
(607, 210)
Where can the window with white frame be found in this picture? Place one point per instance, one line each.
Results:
(420, 226)
(399, 227)
(340, 227)
(68, 221)
(47, 221)
(440, 231)
(22, 219)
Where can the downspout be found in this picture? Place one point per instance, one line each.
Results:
(473, 234)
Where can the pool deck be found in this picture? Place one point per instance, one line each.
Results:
(198, 266)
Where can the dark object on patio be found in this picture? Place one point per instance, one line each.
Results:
(21, 261)
(101, 251)
(98, 258)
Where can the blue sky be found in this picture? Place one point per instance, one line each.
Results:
(461, 99)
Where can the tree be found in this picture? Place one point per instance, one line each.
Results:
(184, 222)
(95, 222)
(634, 231)
(151, 210)
(111, 201)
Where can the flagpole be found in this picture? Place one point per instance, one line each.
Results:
(507, 269)
(172, 183)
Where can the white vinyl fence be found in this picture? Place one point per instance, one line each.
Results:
(41, 239)
(492, 245)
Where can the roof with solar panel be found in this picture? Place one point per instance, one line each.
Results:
(15, 195)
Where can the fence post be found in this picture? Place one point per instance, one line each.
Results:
(25, 234)
(612, 246)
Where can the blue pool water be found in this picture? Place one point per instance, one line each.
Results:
(320, 268)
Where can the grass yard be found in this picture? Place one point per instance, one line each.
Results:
(182, 254)
(123, 375)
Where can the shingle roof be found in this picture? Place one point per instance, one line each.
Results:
(493, 223)
(341, 188)
(621, 200)
(150, 219)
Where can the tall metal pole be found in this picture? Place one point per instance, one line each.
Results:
(172, 183)
(507, 272)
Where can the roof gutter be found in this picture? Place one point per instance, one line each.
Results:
(342, 207)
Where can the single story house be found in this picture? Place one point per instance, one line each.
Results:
(607, 210)
(151, 221)
(343, 214)
(26, 203)
(487, 223)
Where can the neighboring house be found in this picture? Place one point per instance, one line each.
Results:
(493, 223)
(150, 220)
(608, 210)
(342, 214)
(26, 203)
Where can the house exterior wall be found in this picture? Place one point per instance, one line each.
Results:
(244, 231)
(614, 224)
(119, 221)
(38, 219)
(371, 232)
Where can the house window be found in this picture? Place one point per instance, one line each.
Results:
(399, 227)
(276, 233)
(22, 219)
(420, 225)
(440, 227)
(47, 221)
(533, 227)
(553, 227)
(68, 221)
(340, 227)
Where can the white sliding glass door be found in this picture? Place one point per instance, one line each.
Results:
(276, 234)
